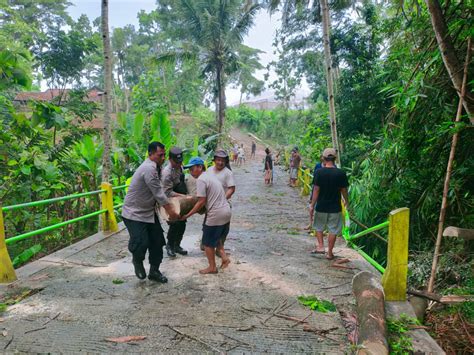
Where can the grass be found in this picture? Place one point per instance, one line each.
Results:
(398, 340)
(117, 281)
(317, 304)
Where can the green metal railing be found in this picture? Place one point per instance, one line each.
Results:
(51, 200)
(11, 240)
(106, 210)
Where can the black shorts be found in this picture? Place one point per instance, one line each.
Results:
(211, 235)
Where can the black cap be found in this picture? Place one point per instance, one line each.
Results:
(176, 154)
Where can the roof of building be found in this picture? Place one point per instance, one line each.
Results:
(93, 95)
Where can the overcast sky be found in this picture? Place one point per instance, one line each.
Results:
(123, 12)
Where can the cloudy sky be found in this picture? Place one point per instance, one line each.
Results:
(123, 12)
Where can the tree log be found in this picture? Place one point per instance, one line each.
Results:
(370, 314)
(182, 205)
(466, 234)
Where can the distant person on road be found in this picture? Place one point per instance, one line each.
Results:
(174, 186)
(295, 163)
(329, 184)
(218, 214)
(235, 153)
(241, 155)
(139, 214)
(254, 150)
(268, 167)
(223, 172)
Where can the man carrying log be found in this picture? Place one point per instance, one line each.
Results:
(174, 186)
(139, 214)
(218, 214)
(223, 172)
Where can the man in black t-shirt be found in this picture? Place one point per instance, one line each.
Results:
(329, 184)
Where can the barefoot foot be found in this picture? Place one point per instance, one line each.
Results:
(208, 270)
(225, 263)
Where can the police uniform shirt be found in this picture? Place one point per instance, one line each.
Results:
(170, 178)
(144, 191)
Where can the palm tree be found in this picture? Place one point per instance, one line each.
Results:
(108, 92)
(212, 31)
(320, 8)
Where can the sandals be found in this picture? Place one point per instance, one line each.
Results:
(314, 252)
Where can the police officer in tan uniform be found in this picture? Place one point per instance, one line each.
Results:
(139, 214)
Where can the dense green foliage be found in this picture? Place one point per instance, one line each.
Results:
(395, 108)
(47, 149)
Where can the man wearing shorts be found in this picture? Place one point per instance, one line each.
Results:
(218, 213)
(329, 184)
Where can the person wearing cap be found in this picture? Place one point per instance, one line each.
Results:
(140, 218)
(295, 163)
(330, 183)
(223, 172)
(218, 214)
(174, 186)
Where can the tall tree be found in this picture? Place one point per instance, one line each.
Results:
(288, 77)
(245, 79)
(213, 32)
(108, 91)
(319, 10)
(448, 53)
(329, 75)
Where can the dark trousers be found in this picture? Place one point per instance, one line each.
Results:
(175, 233)
(146, 236)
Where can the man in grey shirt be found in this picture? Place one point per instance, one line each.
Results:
(174, 186)
(138, 213)
(216, 225)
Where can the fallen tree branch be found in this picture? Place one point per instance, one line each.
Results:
(34, 330)
(334, 286)
(195, 339)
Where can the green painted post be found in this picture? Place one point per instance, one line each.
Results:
(394, 280)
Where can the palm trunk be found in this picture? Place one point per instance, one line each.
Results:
(221, 98)
(448, 53)
(108, 91)
(444, 201)
(329, 75)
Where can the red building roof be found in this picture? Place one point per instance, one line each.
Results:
(93, 95)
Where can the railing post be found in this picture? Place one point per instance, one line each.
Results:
(394, 280)
(7, 272)
(306, 182)
(298, 177)
(109, 223)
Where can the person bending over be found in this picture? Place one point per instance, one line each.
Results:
(218, 214)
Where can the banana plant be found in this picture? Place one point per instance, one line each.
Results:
(90, 161)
